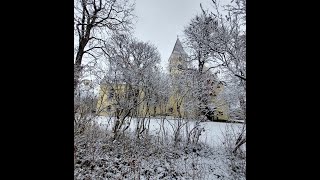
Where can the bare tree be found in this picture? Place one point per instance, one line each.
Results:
(93, 20)
(131, 64)
(219, 41)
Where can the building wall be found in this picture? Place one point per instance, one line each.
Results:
(105, 105)
(106, 99)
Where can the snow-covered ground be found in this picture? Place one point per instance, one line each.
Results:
(212, 134)
(131, 158)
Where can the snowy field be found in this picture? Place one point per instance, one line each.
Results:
(212, 134)
(129, 158)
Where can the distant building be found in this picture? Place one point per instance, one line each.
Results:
(170, 107)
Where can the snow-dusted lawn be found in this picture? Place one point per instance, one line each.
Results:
(212, 134)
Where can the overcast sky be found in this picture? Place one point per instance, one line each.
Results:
(160, 21)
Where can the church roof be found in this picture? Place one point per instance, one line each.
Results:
(178, 47)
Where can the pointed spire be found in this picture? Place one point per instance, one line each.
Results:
(178, 47)
(178, 55)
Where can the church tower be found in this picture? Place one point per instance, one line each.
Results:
(177, 62)
(177, 59)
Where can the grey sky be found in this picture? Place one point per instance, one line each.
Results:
(160, 21)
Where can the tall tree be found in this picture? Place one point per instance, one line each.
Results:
(132, 65)
(93, 20)
(219, 41)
